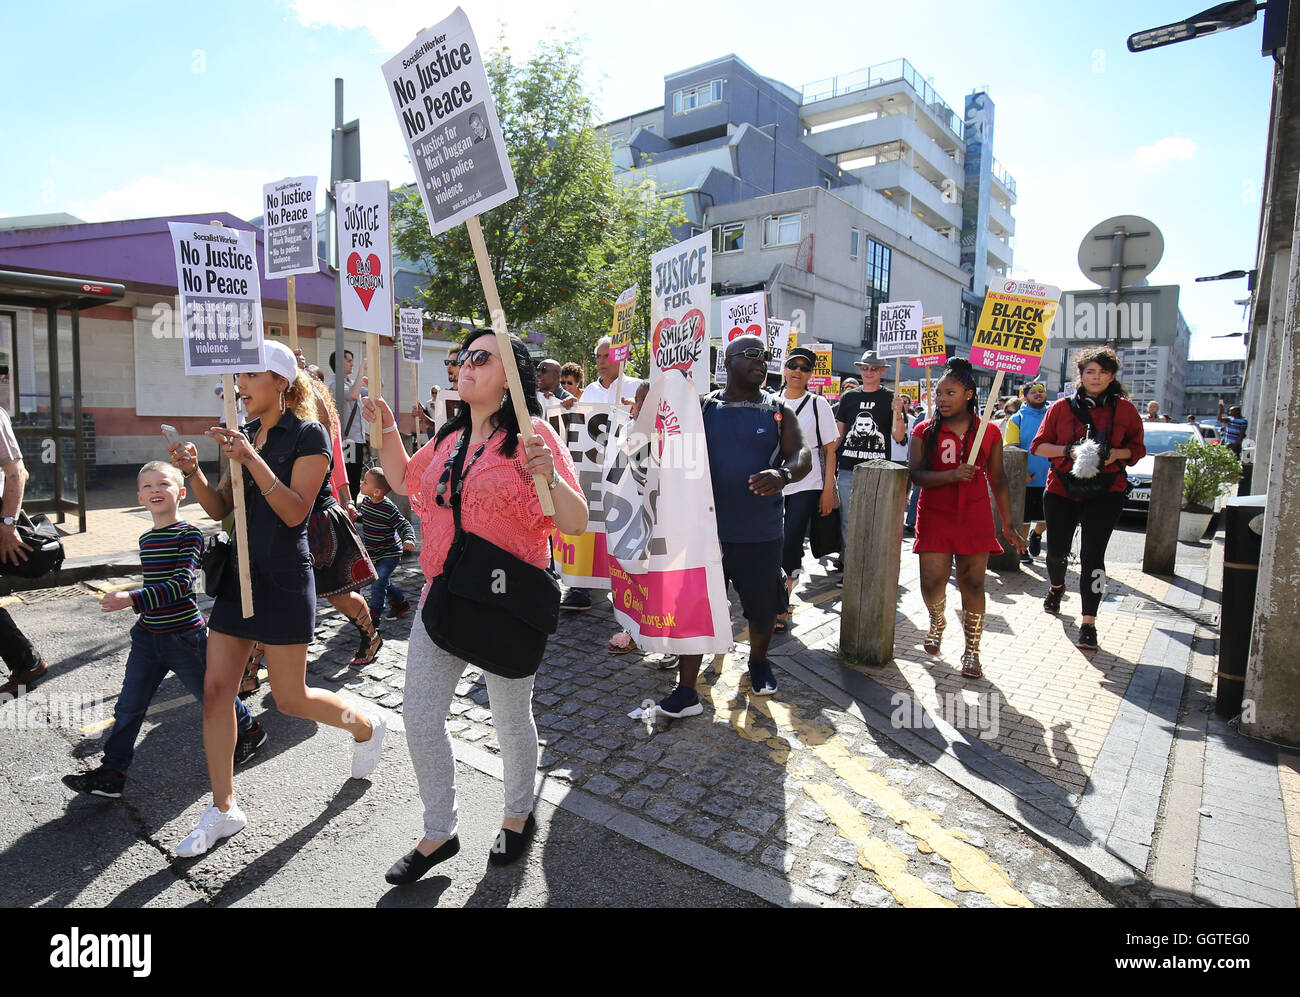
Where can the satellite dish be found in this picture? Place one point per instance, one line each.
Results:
(1121, 251)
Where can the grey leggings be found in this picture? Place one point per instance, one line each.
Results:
(431, 678)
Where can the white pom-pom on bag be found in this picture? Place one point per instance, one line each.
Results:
(1087, 458)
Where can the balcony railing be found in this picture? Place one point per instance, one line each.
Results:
(886, 72)
(1005, 178)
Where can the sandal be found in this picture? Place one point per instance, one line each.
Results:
(781, 625)
(251, 682)
(620, 643)
(970, 666)
(371, 642)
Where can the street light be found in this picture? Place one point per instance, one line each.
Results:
(1222, 17)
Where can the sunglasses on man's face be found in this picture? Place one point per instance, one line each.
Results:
(452, 361)
(753, 353)
(800, 366)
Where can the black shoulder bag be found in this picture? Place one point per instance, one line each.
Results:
(46, 553)
(824, 535)
(488, 607)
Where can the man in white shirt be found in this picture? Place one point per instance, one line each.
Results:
(25, 665)
(605, 390)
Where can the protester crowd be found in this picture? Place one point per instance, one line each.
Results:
(321, 522)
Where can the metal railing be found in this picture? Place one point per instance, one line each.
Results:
(1005, 178)
(886, 72)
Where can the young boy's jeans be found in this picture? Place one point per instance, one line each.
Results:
(152, 656)
(383, 586)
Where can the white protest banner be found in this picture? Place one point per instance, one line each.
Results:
(440, 92)
(898, 329)
(679, 305)
(411, 321)
(620, 332)
(720, 363)
(365, 257)
(289, 227)
(583, 430)
(446, 407)
(221, 298)
(744, 315)
(665, 563)
(778, 338)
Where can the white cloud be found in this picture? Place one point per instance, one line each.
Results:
(191, 188)
(393, 23)
(1167, 150)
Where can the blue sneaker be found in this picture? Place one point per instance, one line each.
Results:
(761, 678)
(683, 702)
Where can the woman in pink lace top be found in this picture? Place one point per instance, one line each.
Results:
(499, 503)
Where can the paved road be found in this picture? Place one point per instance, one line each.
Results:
(726, 815)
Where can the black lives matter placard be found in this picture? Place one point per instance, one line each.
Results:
(221, 299)
(444, 109)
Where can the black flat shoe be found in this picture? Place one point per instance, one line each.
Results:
(509, 845)
(413, 865)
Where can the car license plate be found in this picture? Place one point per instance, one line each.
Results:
(1140, 495)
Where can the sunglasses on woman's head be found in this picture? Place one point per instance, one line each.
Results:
(798, 365)
(753, 353)
(475, 358)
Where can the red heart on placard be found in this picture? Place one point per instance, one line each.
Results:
(676, 344)
(364, 276)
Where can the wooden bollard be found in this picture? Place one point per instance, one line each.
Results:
(872, 561)
(1015, 465)
(1166, 503)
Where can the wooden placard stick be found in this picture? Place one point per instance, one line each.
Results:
(504, 348)
(293, 312)
(230, 400)
(375, 385)
(929, 399)
(988, 411)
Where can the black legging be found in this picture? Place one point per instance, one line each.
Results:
(1096, 518)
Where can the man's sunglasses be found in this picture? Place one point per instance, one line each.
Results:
(452, 361)
(754, 353)
(798, 365)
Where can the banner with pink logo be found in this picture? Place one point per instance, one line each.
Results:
(583, 430)
(661, 532)
(681, 279)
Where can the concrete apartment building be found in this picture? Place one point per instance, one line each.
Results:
(1212, 381)
(833, 197)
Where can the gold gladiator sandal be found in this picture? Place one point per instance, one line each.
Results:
(973, 624)
(937, 624)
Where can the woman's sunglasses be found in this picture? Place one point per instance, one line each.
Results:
(800, 366)
(475, 358)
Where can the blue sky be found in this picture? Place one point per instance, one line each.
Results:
(155, 108)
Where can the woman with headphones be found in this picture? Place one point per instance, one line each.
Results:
(1089, 438)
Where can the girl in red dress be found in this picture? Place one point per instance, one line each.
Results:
(955, 517)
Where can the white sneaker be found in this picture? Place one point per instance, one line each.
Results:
(365, 754)
(213, 826)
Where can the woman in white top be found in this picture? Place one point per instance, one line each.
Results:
(814, 495)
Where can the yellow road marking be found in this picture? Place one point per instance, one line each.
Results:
(875, 854)
(972, 869)
(162, 707)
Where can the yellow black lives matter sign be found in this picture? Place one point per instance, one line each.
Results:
(1014, 325)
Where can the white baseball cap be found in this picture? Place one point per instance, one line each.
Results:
(280, 360)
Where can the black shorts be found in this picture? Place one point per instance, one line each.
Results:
(1034, 504)
(754, 569)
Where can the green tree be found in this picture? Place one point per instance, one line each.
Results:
(571, 236)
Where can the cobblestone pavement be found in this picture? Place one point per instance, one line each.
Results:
(787, 785)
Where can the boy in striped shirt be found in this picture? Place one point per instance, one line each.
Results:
(381, 524)
(169, 636)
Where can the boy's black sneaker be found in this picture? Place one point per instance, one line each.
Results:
(248, 742)
(102, 781)
(397, 612)
(1035, 543)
